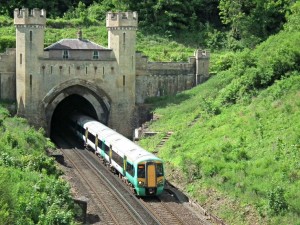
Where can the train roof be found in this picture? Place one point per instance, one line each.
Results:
(120, 143)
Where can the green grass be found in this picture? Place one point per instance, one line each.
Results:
(31, 190)
(244, 146)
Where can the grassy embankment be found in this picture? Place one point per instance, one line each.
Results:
(31, 190)
(236, 141)
(235, 145)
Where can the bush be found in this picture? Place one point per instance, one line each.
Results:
(7, 42)
(277, 201)
(5, 21)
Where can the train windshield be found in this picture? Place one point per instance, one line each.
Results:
(141, 171)
(159, 170)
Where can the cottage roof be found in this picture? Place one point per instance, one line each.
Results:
(75, 44)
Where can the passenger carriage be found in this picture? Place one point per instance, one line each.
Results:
(143, 170)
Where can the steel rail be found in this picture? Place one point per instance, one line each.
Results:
(91, 187)
(115, 191)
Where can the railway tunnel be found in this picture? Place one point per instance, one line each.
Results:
(62, 103)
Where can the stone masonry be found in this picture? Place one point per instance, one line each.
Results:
(115, 80)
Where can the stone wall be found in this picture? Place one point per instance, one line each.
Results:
(8, 75)
(163, 78)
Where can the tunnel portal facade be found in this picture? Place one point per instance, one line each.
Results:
(75, 74)
(110, 83)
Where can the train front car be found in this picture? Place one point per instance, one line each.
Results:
(150, 179)
(142, 170)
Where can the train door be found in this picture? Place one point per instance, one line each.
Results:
(150, 174)
(86, 136)
(96, 144)
(124, 165)
(110, 154)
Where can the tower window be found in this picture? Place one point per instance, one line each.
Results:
(30, 81)
(95, 55)
(20, 59)
(30, 36)
(51, 69)
(65, 54)
(123, 80)
(124, 36)
(132, 62)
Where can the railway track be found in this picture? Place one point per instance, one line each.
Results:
(169, 211)
(114, 202)
(104, 196)
(164, 214)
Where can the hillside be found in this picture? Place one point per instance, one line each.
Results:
(235, 142)
(31, 188)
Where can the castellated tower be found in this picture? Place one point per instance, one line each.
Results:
(122, 27)
(29, 47)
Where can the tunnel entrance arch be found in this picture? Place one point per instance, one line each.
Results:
(75, 95)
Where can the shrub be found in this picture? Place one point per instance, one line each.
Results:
(277, 201)
(7, 42)
(5, 21)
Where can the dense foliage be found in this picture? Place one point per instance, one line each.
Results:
(31, 191)
(236, 137)
(247, 22)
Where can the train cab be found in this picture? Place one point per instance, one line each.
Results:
(150, 178)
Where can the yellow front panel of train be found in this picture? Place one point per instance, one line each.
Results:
(151, 176)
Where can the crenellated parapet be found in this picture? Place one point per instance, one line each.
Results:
(36, 17)
(202, 54)
(122, 20)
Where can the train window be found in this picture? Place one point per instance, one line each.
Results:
(130, 169)
(141, 171)
(106, 150)
(118, 159)
(159, 170)
(100, 144)
(91, 137)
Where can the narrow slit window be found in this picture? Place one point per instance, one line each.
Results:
(21, 59)
(85, 70)
(65, 54)
(30, 81)
(95, 55)
(30, 36)
(69, 70)
(123, 80)
(124, 37)
(51, 69)
(132, 62)
(103, 70)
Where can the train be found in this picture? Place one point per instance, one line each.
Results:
(141, 170)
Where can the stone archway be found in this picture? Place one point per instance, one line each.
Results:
(90, 95)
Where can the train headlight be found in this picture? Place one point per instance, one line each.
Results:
(141, 183)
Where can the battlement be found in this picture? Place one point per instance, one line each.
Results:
(34, 17)
(121, 19)
(199, 53)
